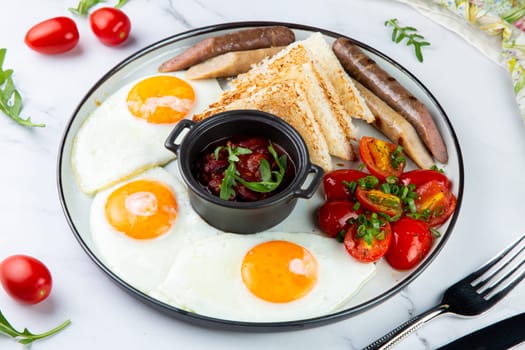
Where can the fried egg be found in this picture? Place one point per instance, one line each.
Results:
(139, 226)
(264, 277)
(125, 134)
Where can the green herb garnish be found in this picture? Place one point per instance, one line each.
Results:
(351, 186)
(121, 3)
(340, 237)
(413, 38)
(270, 179)
(368, 182)
(436, 168)
(397, 158)
(369, 228)
(10, 98)
(435, 233)
(26, 337)
(84, 6)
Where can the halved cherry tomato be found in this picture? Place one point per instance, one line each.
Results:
(379, 202)
(435, 203)
(25, 278)
(411, 242)
(419, 176)
(382, 158)
(334, 215)
(52, 36)
(358, 247)
(335, 188)
(110, 25)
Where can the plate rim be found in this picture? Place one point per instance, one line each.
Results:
(207, 321)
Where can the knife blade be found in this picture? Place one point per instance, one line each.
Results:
(498, 336)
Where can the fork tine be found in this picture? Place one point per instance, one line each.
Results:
(496, 297)
(486, 293)
(474, 277)
(503, 266)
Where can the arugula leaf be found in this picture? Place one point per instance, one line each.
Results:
(26, 337)
(232, 176)
(264, 170)
(228, 181)
(410, 33)
(217, 151)
(267, 185)
(83, 7)
(10, 98)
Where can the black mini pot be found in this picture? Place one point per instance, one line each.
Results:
(243, 217)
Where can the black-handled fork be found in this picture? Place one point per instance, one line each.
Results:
(471, 296)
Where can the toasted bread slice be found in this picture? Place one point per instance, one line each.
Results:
(295, 63)
(287, 100)
(354, 104)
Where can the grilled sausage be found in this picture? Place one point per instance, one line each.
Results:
(230, 64)
(247, 39)
(387, 88)
(396, 128)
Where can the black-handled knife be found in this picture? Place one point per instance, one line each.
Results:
(498, 336)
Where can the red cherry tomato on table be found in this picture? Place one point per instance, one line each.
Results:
(411, 242)
(357, 246)
(52, 36)
(436, 202)
(335, 188)
(334, 215)
(25, 278)
(110, 25)
(420, 176)
(382, 158)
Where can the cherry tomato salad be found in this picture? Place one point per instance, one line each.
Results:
(386, 211)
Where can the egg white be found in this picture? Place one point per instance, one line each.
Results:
(206, 279)
(112, 144)
(144, 264)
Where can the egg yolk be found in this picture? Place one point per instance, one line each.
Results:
(141, 209)
(279, 271)
(161, 99)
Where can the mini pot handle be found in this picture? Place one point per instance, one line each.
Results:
(312, 187)
(171, 140)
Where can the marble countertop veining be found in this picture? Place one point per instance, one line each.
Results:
(475, 93)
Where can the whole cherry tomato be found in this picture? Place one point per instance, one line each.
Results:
(25, 278)
(110, 25)
(334, 215)
(52, 36)
(419, 176)
(377, 246)
(382, 158)
(436, 202)
(336, 182)
(411, 242)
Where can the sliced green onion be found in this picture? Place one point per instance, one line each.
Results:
(368, 182)
(394, 189)
(435, 233)
(350, 185)
(391, 179)
(340, 237)
(411, 205)
(439, 211)
(436, 168)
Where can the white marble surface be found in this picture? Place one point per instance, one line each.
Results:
(476, 94)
